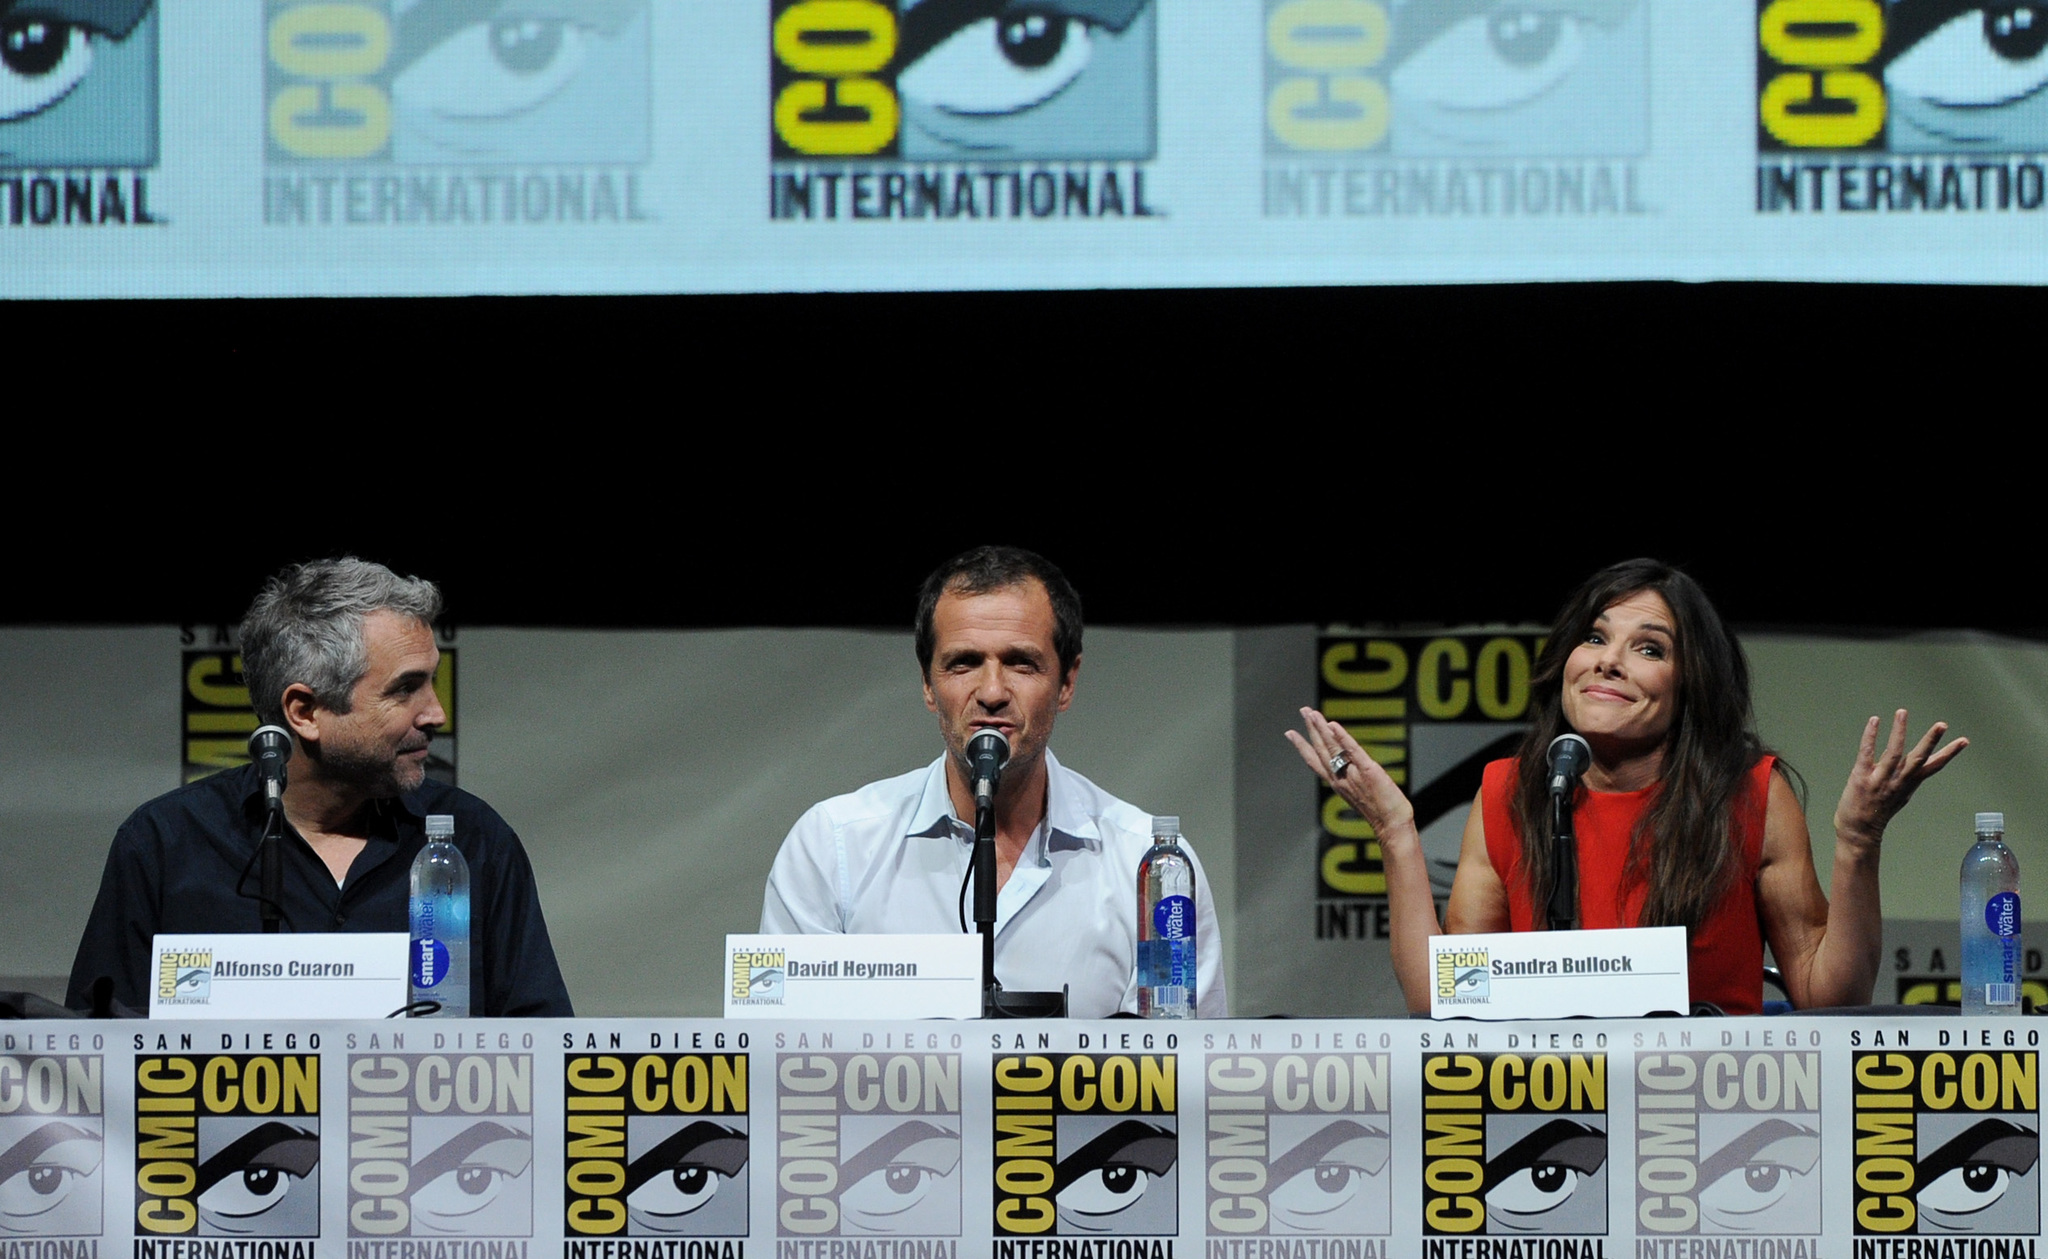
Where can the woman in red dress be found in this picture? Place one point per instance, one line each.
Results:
(1683, 818)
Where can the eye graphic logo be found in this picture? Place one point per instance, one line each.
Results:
(1947, 1143)
(365, 85)
(657, 1145)
(1455, 107)
(984, 80)
(1464, 977)
(78, 83)
(758, 978)
(185, 978)
(868, 1145)
(1067, 79)
(1552, 82)
(534, 81)
(228, 1145)
(1086, 1145)
(1967, 77)
(978, 94)
(423, 81)
(440, 1145)
(1298, 1145)
(1941, 76)
(1514, 1144)
(1904, 78)
(1728, 1143)
(51, 1151)
(254, 1179)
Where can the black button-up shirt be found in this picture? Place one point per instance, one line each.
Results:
(176, 863)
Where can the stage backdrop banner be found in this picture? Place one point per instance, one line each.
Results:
(285, 147)
(1783, 1138)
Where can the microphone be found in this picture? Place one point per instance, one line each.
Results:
(1568, 756)
(270, 747)
(987, 752)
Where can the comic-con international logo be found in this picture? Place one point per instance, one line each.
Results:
(439, 1145)
(1948, 1144)
(1513, 1145)
(868, 1145)
(1728, 1144)
(1298, 1146)
(78, 112)
(1433, 709)
(455, 111)
(961, 109)
(1882, 106)
(215, 718)
(51, 1146)
(228, 1145)
(184, 977)
(656, 1146)
(1086, 1145)
(759, 977)
(1397, 108)
(1463, 977)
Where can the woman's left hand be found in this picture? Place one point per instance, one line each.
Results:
(1879, 786)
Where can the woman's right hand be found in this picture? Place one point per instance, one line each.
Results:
(1369, 789)
(1364, 785)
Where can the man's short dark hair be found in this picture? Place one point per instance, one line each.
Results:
(987, 569)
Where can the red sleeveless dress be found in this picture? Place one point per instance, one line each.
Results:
(1726, 952)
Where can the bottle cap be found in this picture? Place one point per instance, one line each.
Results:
(440, 826)
(1991, 823)
(1162, 827)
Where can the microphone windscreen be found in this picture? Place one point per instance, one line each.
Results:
(1569, 755)
(1571, 750)
(269, 741)
(989, 743)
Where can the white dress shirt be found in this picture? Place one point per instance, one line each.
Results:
(889, 859)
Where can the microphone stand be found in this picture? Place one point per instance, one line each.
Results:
(985, 900)
(995, 1003)
(270, 748)
(1564, 884)
(271, 902)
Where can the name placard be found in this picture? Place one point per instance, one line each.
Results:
(853, 976)
(321, 975)
(1559, 974)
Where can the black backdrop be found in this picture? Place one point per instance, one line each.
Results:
(1847, 457)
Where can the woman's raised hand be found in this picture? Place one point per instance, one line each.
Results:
(1879, 786)
(1363, 784)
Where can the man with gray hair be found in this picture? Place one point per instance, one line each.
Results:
(341, 654)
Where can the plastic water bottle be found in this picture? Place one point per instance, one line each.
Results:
(1166, 926)
(1991, 922)
(439, 960)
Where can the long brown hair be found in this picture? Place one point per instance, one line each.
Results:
(1682, 849)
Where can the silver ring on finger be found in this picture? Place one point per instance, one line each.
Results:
(1338, 764)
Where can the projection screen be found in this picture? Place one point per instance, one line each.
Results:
(401, 147)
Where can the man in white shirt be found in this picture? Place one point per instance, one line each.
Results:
(998, 637)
